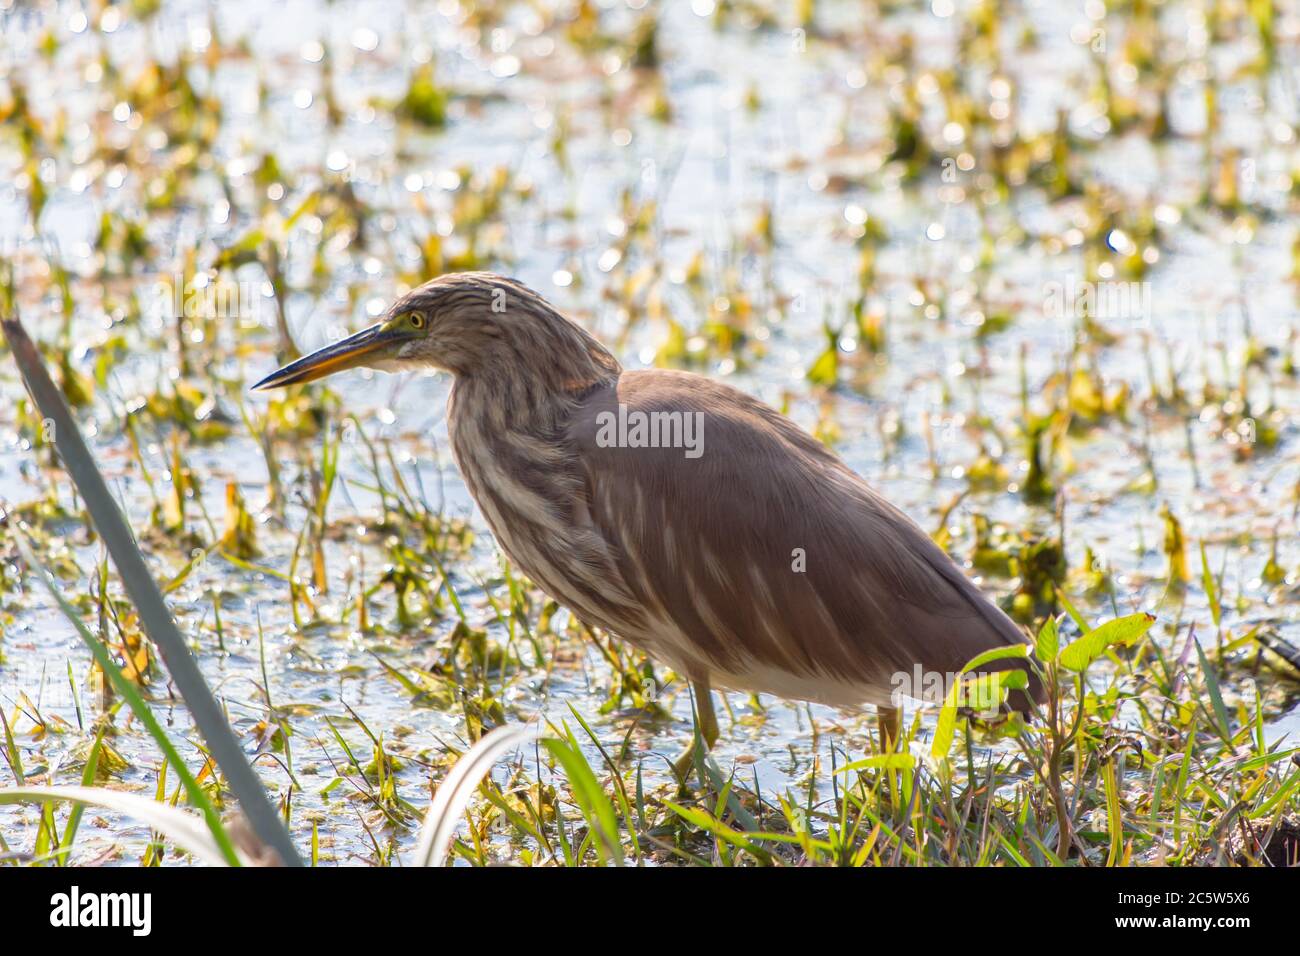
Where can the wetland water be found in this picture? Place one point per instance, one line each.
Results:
(871, 202)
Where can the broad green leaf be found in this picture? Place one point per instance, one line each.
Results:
(985, 692)
(997, 654)
(1048, 643)
(1122, 630)
(981, 693)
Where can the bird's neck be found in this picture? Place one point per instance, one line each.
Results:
(513, 455)
(531, 381)
(482, 409)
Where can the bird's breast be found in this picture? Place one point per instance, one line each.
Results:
(531, 495)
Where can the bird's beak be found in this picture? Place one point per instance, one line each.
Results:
(348, 353)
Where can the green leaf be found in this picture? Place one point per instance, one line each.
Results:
(620, 791)
(997, 654)
(946, 725)
(986, 691)
(1048, 643)
(825, 371)
(1070, 609)
(593, 803)
(11, 751)
(1216, 697)
(126, 689)
(719, 830)
(903, 761)
(1211, 592)
(87, 780)
(1122, 630)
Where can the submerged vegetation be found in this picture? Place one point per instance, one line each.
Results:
(1033, 271)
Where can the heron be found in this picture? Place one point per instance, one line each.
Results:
(680, 513)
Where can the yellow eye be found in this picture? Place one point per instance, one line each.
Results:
(416, 319)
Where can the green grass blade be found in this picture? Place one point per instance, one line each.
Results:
(126, 690)
(155, 618)
(595, 806)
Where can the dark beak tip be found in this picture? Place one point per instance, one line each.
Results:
(324, 361)
(269, 382)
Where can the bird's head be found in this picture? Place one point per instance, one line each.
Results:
(470, 324)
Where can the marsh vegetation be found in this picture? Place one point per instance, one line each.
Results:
(1031, 268)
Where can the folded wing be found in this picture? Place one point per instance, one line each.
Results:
(765, 553)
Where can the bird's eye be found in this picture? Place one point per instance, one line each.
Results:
(417, 320)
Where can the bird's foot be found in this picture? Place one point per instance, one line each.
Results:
(706, 734)
(684, 765)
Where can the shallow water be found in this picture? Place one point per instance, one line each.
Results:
(810, 155)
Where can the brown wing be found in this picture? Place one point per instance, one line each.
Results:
(766, 551)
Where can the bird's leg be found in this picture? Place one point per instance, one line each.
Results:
(889, 721)
(706, 723)
(707, 717)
